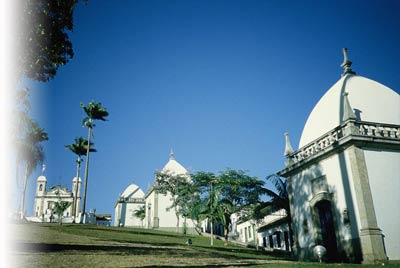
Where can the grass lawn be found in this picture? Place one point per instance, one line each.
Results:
(45, 245)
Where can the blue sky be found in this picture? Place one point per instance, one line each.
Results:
(217, 81)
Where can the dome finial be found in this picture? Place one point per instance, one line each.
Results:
(288, 151)
(288, 146)
(346, 64)
(171, 155)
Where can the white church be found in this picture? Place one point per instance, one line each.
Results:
(344, 179)
(46, 197)
(157, 206)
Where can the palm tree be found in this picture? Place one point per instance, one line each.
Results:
(59, 208)
(94, 111)
(140, 213)
(32, 154)
(79, 148)
(279, 200)
(208, 184)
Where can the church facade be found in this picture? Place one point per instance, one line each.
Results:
(45, 200)
(344, 179)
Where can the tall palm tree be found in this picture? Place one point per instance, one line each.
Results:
(79, 148)
(94, 111)
(32, 154)
(279, 200)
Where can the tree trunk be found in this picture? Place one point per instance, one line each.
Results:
(86, 176)
(177, 223)
(212, 233)
(255, 235)
(226, 232)
(75, 214)
(22, 215)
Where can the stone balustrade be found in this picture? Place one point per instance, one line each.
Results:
(368, 129)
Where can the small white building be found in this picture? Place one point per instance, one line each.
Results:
(271, 232)
(129, 201)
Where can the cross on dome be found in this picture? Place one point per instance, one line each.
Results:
(346, 64)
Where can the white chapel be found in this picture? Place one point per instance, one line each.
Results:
(158, 214)
(344, 180)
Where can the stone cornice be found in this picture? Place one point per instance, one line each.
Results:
(362, 134)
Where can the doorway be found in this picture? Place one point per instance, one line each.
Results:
(327, 228)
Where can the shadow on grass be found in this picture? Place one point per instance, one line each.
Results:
(245, 253)
(80, 228)
(47, 248)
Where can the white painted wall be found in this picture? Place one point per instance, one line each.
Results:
(384, 177)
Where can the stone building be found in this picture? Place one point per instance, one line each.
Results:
(344, 179)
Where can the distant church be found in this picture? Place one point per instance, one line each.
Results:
(344, 180)
(45, 199)
(158, 214)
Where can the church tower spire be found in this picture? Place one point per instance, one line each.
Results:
(346, 64)
(171, 155)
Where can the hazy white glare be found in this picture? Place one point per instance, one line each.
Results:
(7, 84)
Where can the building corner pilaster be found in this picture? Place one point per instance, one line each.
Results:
(371, 238)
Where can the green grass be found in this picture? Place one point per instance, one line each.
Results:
(40, 245)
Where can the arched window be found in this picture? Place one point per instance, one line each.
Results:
(40, 187)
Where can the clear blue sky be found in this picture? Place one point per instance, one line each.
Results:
(217, 81)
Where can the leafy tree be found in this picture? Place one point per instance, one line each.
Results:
(60, 207)
(140, 213)
(30, 153)
(43, 43)
(279, 199)
(238, 190)
(179, 190)
(79, 148)
(208, 185)
(94, 111)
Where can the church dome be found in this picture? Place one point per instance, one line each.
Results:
(370, 101)
(42, 178)
(173, 167)
(74, 179)
(133, 191)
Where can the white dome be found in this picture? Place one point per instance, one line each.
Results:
(74, 179)
(174, 168)
(133, 191)
(371, 101)
(41, 178)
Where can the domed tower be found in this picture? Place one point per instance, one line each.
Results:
(76, 193)
(40, 194)
(344, 178)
